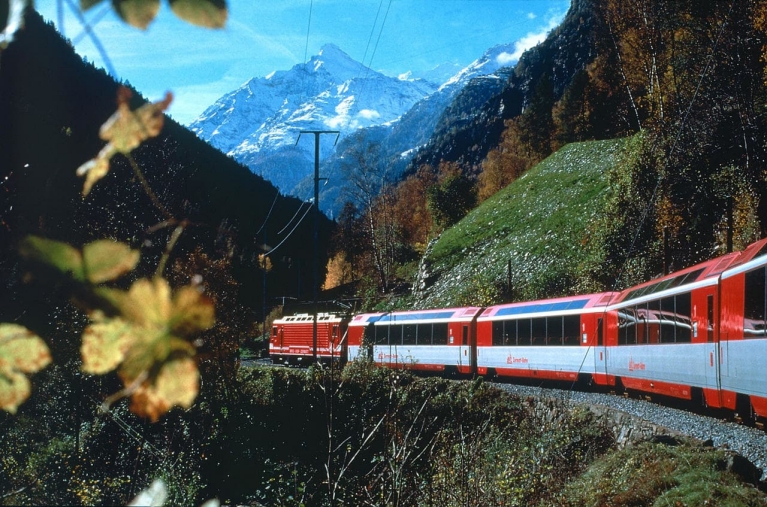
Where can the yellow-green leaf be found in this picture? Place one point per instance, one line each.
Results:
(87, 4)
(127, 129)
(105, 345)
(57, 254)
(124, 131)
(95, 169)
(21, 351)
(147, 343)
(151, 351)
(148, 303)
(14, 390)
(138, 13)
(108, 260)
(177, 383)
(205, 13)
(192, 312)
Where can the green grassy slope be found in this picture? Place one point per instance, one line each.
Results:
(543, 223)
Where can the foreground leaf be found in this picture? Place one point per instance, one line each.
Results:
(13, 23)
(107, 260)
(205, 13)
(125, 130)
(192, 312)
(21, 351)
(99, 261)
(177, 383)
(138, 13)
(147, 343)
(105, 345)
(57, 254)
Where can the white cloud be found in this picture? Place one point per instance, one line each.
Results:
(531, 15)
(533, 39)
(504, 59)
(369, 114)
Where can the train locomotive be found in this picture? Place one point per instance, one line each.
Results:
(699, 334)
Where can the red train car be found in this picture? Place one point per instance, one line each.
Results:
(742, 334)
(553, 339)
(700, 330)
(662, 335)
(292, 338)
(434, 340)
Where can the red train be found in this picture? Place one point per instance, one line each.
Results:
(697, 334)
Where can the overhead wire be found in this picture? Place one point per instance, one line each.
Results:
(372, 31)
(308, 209)
(306, 52)
(276, 196)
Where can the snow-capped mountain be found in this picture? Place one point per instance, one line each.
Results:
(330, 92)
(259, 123)
(495, 58)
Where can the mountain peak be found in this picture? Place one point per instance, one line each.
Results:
(336, 62)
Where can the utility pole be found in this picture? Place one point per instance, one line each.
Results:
(315, 261)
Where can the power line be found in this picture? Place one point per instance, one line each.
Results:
(291, 231)
(276, 196)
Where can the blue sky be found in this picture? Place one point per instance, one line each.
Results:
(391, 36)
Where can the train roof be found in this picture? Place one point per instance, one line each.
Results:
(698, 275)
(417, 316)
(561, 306)
(752, 256)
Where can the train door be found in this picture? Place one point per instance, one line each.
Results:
(600, 352)
(711, 348)
(464, 350)
(472, 341)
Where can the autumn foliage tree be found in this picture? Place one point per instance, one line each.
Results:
(505, 163)
(452, 197)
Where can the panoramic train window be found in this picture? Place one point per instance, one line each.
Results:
(499, 336)
(539, 331)
(410, 336)
(382, 335)
(524, 331)
(424, 334)
(439, 334)
(395, 334)
(409, 333)
(754, 310)
(560, 330)
(572, 330)
(554, 330)
(665, 320)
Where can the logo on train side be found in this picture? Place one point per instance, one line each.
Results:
(635, 366)
(516, 360)
(382, 356)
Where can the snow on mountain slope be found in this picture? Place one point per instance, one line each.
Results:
(330, 92)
